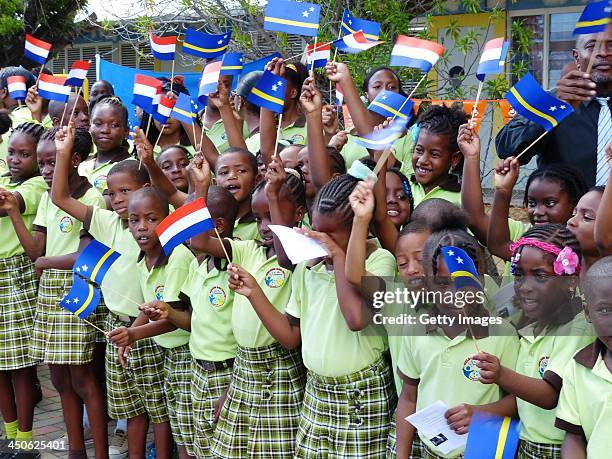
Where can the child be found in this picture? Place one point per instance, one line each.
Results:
(136, 392)
(173, 161)
(160, 277)
(260, 416)
(584, 403)
(603, 228)
(546, 294)
(99, 90)
(349, 387)
(80, 116)
(18, 285)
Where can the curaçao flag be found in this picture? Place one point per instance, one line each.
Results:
(205, 45)
(233, 63)
(416, 53)
(52, 88)
(163, 48)
(382, 138)
(351, 24)
(461, 267)
(146, 92)
(16, 85)
(209, 81)
(36, 50)
(77, 74)
(493, 58)
(492, 437)
(390, 104)
(163, 109)
(269, 92)
(297, 18)
(320, 55)
(183, 109)
(594, 18)
(184, 223)
(529, 99)
(82, 299)
(94, 261)
(355, 43)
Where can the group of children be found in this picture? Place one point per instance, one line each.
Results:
(230, 350)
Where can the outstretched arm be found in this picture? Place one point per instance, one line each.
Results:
(362, 202)
(498, 239)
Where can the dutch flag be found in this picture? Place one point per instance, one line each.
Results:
(493, 58)
(320, 55)
(355, 43)
(339, 96)
(77, 74)
(163, 48)
(146, 89)
(52, 88)
(210, 79)
(17, 87)
(184, 223)
(163, 109)
(36, 50)
(415, 53)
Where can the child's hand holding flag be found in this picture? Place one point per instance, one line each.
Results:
(144, 149)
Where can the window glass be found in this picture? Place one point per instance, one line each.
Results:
(560, 45)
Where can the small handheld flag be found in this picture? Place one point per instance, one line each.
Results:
(297, 18)
(52, 88)
(594, 18)
(416, 53)
(146, 90)
(350, 24)
(16, 85)
(163, 48)
(164, 109)
(339, 96)
(233, 63)
(269, 92)
(355, 43)
(184, 223)
(492, 436)
(318, 57)
(209, 81)
(205, 45)
(36, 50)
(493, 58)
(529, 99)
(383, 138)
(83, 298)
(259, 64)
(461, 267)
(95, 261)
(183, 109)
(77, 74)
(389, 104)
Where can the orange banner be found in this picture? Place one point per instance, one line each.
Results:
(507, 110)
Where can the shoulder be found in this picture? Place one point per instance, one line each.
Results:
(181, 256)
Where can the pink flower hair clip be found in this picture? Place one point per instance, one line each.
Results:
(567, 262)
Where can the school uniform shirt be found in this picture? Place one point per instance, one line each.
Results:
(218, 136)
(329, 347)
(158, 149)
(403, 147)
(62, 229)
(450, 190)
(97, 175)
(585, 403)
(245, 228)
(275, 282)
(163, 283)
(121, 281)
(545, 357)
(207, 287)
(444, 370)
(31, 191)
(294, 134)
(21, 114)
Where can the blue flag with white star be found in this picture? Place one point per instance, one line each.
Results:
(461, 268)
(82, 299)
(269, 92)
(297, 18)
(184, 109)
(95, 261)
(383, 138)
(233, 63)
(351, 24)
(205, 45)
(392, 105)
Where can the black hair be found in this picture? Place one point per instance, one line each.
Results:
(170, 147)
(294, 185)
(570, 179)
(132, 168)
(405, 185)
(372, 72)
(456, 237)
(555, 234)
(222, 204)
(56, 108)
(245, 86)
(439, 213)
(6, 122)
(115, 102)
(31, 128)
(597, 276)
(598, 188)
(444, 120)
(338, 164)
(250, 156)
(296, 73)
(107, 84)
(6, 72)
(82, 141)
(417, 226)
(333, 198)
(153, 193)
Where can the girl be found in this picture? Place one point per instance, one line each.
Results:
(60, 339)
(173, 161)
(18, 285)
(349, 395)
(545, 263)
(583, 225)
(260, 415)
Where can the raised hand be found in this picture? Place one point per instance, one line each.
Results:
(362, 200)
(34, 102)
(506, 174)
(310, 99)
(198, 172)
(275, 177)
(575, 87)
(277, 66)
(144, 149)
(339, 140)
(220, 98)
(337, 72)
(333, 249)
(468, 141)
(330, 120)
(64, 140)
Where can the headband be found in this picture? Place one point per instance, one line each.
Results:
(566, 263)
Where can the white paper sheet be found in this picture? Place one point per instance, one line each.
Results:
(297, 246)
(431, 422)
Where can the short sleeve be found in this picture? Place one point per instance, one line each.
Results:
(294, 306)
(239, 250)
(100, 225)
(176, 271)
(510, 352)
(187, 285)
(406, 362)
(41, 214)
(568, 416)
(517, 229)
(93, 198)
(381, 263)
(31, 192)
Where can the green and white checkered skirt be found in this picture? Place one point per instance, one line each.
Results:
(59, 337)
(18, 288)
(177, 384)
(531, 450)
(417, 445)
(260, 416)
(207, 387)
(429, 454)
(347, 416)
(138, 389)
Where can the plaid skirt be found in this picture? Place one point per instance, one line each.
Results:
(417, 445)
(177, 384)
(207, 386)
(430, 454)
(18, 288)
(260, 416)
(59, 337)
(347, 416)
(138, 389)
(531, 450)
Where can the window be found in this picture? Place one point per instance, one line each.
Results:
(561, 43)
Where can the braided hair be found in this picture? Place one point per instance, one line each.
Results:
(405, 185)
(333, 198)
(82, 141)
(555, 234)
(570, 180)
(113, 101)
(33, 129)
(293, 186)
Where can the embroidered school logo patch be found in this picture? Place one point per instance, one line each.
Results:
(275, 278)
(159, 293)
(100, 182)
(470, 370)
(66, 224)
(217, 296)
(543, 363)
(297, 139)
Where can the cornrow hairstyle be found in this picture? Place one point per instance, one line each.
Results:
(338, 165)
(6, 72)
(131, 167)
(82, 141)
(555, 234)
(570, 179)
(5, 121)
(112, 101)
(372, 72)
(250, 156)
(33, 129)
(456, 237)
(294, 186)
(333, 198)
(153, 193)
(405, 185)
(439, 213)
(176, 147)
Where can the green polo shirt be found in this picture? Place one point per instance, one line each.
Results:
(294, 134)
(31, 191)
(97, 175)
(585, 403)
(163, 283)
(218, 136)
(62, 229)
(403, 146)
(276, 284)
(451, 191)
(329, 347)
(121, 281)
(20, 114)
(245, 228)
(444, 370)
(211, 299)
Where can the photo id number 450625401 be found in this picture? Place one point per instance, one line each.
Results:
(37, 444)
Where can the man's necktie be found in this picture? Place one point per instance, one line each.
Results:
(604, 137)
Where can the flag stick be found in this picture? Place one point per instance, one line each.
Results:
(480, 85)
(172, 76)
(473, 337)
(64, 112)
(531, 145)
(312, 62)
(148, 126)
(595, 51)
(38, 78)
(333, 62)
(382, 160)
(315, 48)
(95, 326)
(127, 298)
(19, 104)
(195, 146)
(203, 127)
(409, 96)
(161, 132)
(222, 245)
(278, 131)
(75, 103)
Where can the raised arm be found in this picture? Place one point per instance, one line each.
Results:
(33, 243)
(603, 221)
(34, 103)
(267, 119)
(362, 202)
(330, 123)
(498, 239)
(233, 127)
